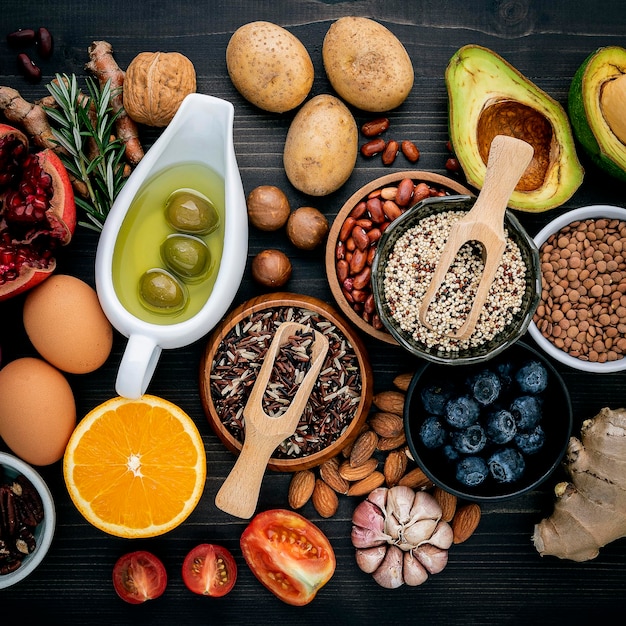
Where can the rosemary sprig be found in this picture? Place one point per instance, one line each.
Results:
(84, 126)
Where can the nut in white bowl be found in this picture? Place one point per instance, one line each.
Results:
(583, 301)
(10, 468)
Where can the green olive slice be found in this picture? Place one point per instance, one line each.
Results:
(186, 256)
(189, 211)
(161, 292)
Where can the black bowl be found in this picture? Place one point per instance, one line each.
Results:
(556, 422)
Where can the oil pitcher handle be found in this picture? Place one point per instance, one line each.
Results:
(137, 367)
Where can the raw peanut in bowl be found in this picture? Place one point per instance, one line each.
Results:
(581, 317)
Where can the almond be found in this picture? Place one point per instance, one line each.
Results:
(367, 484)
(329, 472)
(386, 424)
(301, 488)
(390, 402)
(347, 449)
(465, 522)
(325, 500)
(447, 502)
(402, 381)
(391, 443)
(363, 448)
(395, 466)
(351, 473)
(416, 479)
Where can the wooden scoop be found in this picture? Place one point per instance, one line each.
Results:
(484, 223)
(240, 492)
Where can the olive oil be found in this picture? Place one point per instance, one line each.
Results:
(145, 228)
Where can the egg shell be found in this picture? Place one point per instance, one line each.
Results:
(37, 410)
(66, 325)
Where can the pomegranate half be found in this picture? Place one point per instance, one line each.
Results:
(37, 212)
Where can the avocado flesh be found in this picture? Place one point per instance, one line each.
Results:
(487, 97)
(585, 108)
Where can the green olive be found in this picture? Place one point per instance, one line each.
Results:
(186, 256)
(188, 211)
(161, 292)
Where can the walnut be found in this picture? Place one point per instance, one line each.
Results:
(155, 85)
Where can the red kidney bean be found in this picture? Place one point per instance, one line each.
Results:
(21, 37)
(422, 190)
(360, 237)
(405, 192)
(362, 279)
(391, 210)
(375, 127)
(359, 210)
(373, 147)
(28, 69)
(350, 245)
(375, 209)
(346, 228)
(343, 270)
(453, 165)
(340, 251)
(359, 295)
(374, 235)
(45, 43)
(358, 261)
(410, 151)
(364, 223)
(390, 152)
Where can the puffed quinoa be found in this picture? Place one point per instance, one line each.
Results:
(409, 271)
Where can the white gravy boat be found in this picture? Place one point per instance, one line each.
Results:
(200, 132)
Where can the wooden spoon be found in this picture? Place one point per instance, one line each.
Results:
(484, 223)
(240, 492)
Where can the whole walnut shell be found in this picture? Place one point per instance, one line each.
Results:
(156, 84)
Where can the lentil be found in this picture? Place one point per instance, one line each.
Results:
(410, 269)
(594, 284)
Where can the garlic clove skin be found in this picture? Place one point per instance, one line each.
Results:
(400, 502)
(413, 572)
(369, 559)
(419, 532)
(443, 536)
(389, 573)
(369, 515)
(425, 506)
(367, 538)
(432, 558)
(379, 498)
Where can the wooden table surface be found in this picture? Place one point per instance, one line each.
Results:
(496, 577)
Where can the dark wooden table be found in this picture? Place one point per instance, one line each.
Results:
(495, 577)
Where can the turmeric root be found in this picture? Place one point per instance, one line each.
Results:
(30, 116)
(590, 511)
(104, 67)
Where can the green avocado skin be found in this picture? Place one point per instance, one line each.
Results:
(580, 125)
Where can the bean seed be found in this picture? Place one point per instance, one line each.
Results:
(390, 152)
(27, 68)
(375, 127)
(373, 147)
(45, 43)
(21, 37)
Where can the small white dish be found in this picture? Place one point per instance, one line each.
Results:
(595, 211)
(13, 467)
(200, 132)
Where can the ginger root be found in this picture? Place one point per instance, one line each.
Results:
(104, 67)
(590, 511)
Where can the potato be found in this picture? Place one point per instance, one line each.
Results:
(269, 66)
(321, 146)
(366, 64)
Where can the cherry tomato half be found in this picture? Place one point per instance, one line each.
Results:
(209, 570)
(139, 576)
(289, 554)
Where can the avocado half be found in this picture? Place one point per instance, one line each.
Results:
(597, 109)
(488, 97)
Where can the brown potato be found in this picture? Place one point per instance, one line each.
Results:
(366, 64)
(269, 66)
(321, 146)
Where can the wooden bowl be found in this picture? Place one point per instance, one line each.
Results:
(418, 176)
(282, 301)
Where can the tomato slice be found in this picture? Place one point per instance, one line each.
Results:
(139, 576)
(209, 570)
(289, 554)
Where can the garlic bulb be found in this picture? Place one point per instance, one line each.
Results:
(400, 537)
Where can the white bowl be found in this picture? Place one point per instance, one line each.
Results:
(13, 467)
(583, 213)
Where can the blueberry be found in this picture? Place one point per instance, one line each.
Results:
(501, 427)
(485, 387)
(532, 377)
(450, 452)
(435, 396)
(532, 441)
(471, 471)
(432, 432)
(506, 465)
(462, 412)
(469, 440)
(527, 411)
(505, 374)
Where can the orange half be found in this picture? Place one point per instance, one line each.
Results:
(135, 468)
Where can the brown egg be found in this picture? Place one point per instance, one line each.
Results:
(37, 410)
(66, 324)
